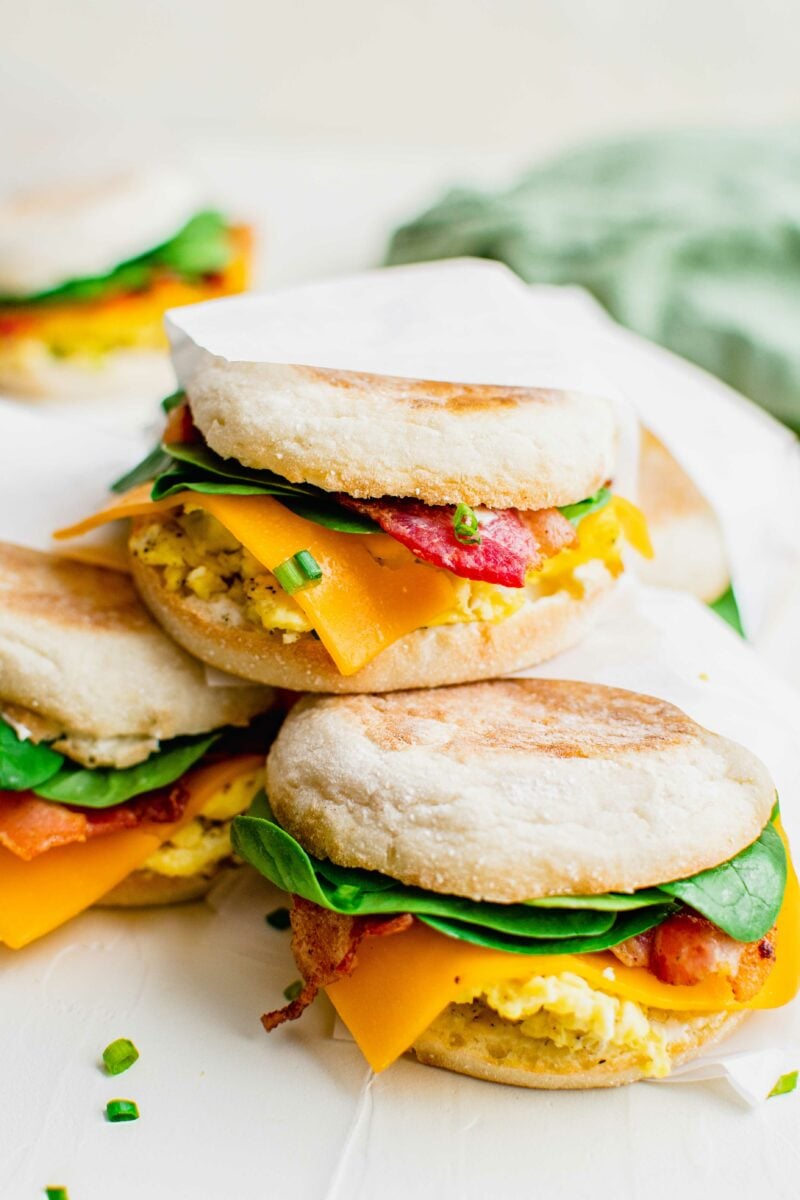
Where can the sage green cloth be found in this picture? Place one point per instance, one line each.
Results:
(691, 239)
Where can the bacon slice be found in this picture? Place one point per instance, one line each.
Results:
(324, 945)
(687, 948)
(511, 545)
(30, 826)
(180, 427)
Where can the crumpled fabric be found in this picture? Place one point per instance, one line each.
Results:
(691, 239)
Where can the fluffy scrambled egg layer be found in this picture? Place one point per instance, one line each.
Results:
(566, 1012)
(205, 841)
(200, 557)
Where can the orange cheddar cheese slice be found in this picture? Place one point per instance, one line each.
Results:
(135, 503)
(401, 983)
(359, 607)
(38, 896)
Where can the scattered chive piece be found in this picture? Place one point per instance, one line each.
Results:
(56, 1193)
(293, 990)
(120, 1055)
(122, 1110)
(786, 1083)
(279, 918)
(465, 526)
(298, 572)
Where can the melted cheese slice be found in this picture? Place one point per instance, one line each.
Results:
(402, 982)
(358, 609)
(38, 896)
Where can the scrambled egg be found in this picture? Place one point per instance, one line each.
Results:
(199, 557)
(565, 1011)
(199, 846)
(599, 537)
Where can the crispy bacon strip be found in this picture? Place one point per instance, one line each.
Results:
(325, 945)
(30, 826)
(511, 545)
(180, 427)
(687, 948)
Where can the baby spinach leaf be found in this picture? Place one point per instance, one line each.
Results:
(24, 764)
(744, 895)
(152, 465)
(554, 925)
(173, 400)
(576, 512)
(611, 901)
(353, 892)
(201, 247)
(726, 606)
(105, 787)
(625, 926)
(189, 466)
(323, 511)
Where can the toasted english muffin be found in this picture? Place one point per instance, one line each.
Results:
(471, 1040)
(431, 657)
(685, 530)
(81, 661)
(442, 443)
(516, 789)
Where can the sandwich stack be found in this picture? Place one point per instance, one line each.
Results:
(378, 489)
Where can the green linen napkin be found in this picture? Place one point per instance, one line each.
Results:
(691, 239)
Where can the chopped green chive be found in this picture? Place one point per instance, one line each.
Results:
(298, 572)
(120, 1055)
(122, 1110)
(293, 990)
(56, 1193)
(279, 918)
(786, 1083)
(465, 526)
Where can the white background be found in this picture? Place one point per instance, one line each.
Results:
(523, 74)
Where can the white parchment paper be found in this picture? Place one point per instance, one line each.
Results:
(462, 321)
(746, 463)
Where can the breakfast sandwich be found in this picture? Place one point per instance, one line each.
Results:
(86, 274)
(537, 882)
(120, 768)
(689, 550)
(335, 530)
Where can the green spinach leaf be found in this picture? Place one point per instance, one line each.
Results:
(725, 606)
(201, 247)
(151, 466)
(24, 764)
(105, 787)
(610, 901)
(192, 467)
(744, 895)
(625, 926)
(555, 925)
(276, 854)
